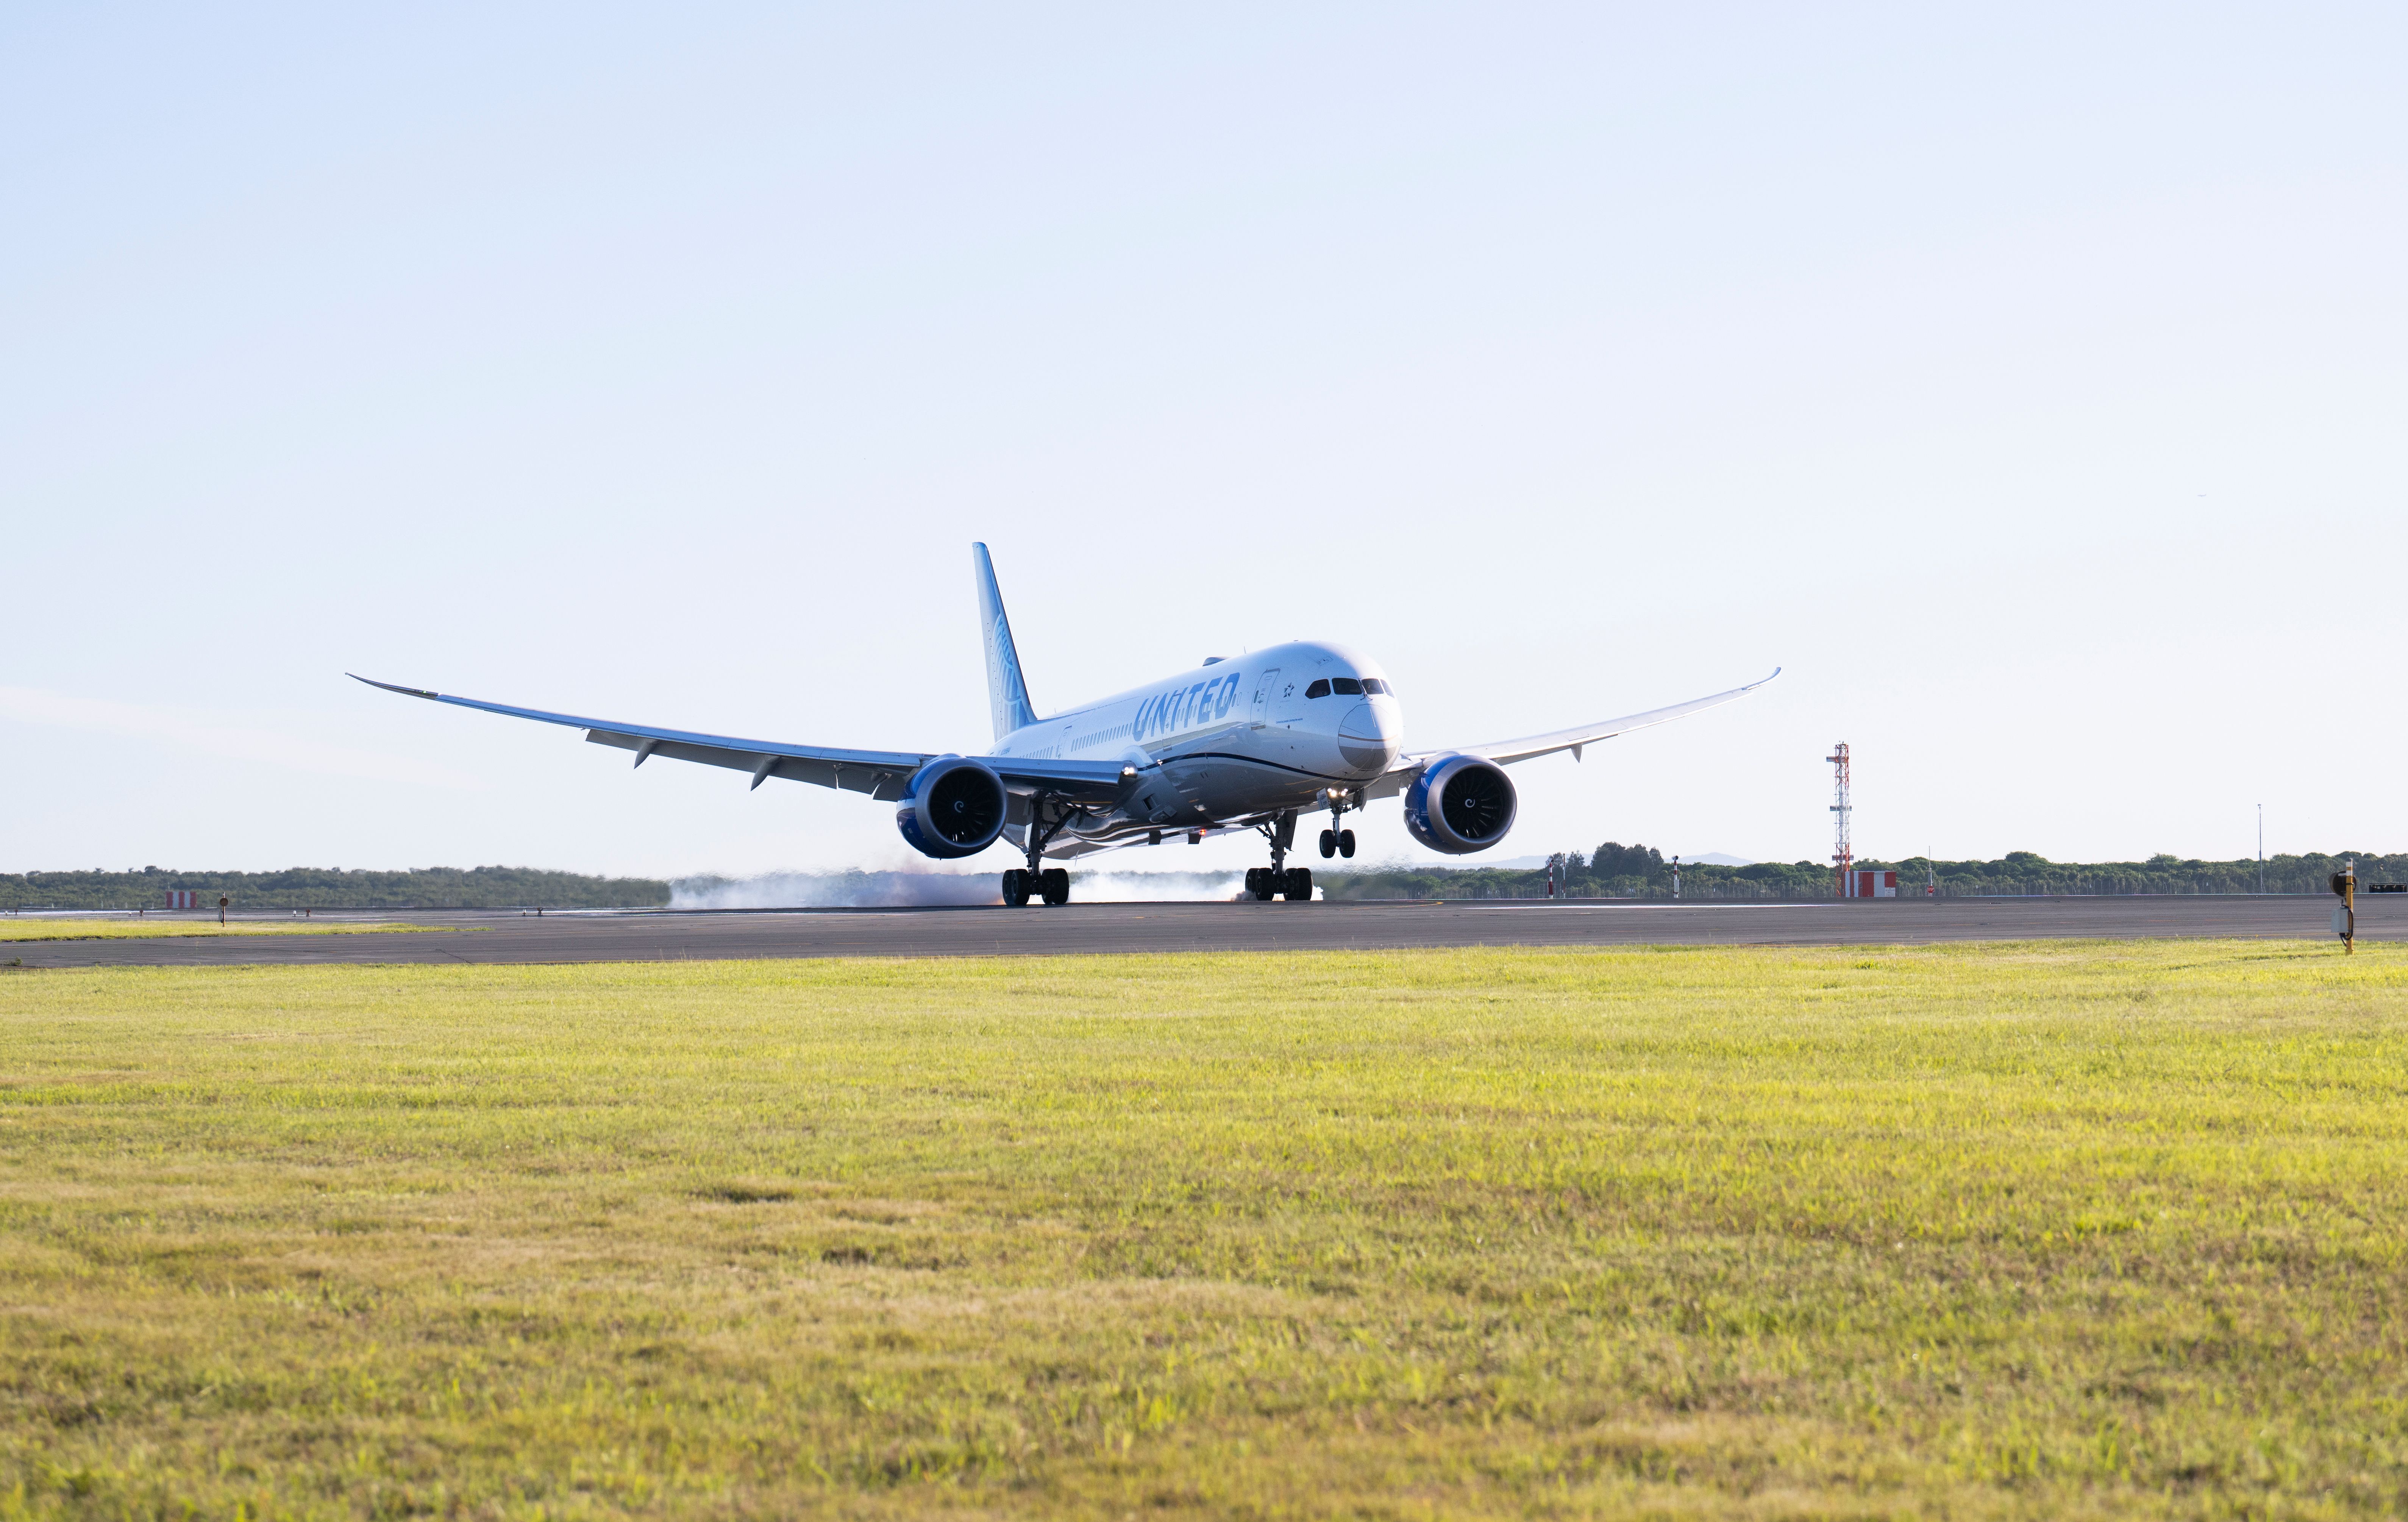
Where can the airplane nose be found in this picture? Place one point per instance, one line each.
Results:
(1367, 736)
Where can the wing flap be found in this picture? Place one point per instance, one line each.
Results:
(879, 774)
(885, 781)
(1082, 782)
(1506, 752)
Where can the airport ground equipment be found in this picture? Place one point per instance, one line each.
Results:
(1251, 743)
(2345, 887)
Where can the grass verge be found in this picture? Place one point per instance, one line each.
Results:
(12, 929)
(2025, 1231)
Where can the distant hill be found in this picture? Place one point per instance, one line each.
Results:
(330, 888)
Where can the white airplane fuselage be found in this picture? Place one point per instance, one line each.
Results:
(1247, 743)
(1283, 729)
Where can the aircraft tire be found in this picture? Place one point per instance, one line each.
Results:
(1347, 844)
(1057, 885)
(1015, 887)
(1328, 844)
(1299, 886)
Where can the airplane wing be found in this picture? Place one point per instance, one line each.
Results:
(880, 774)
(1506, 752)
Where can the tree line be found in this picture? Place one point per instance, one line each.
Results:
(331, 888)
(1614, 870)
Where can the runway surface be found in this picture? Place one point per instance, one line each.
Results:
(486, 937)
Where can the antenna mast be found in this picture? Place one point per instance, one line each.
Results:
(1843, 855)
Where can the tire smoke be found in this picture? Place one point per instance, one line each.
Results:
(835, 890)
(857, 889)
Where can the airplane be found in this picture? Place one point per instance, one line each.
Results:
(1246, 744)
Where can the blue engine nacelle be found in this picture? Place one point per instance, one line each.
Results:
(1460, 804)
(951, 807)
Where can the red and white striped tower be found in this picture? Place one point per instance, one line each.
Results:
(1844, 855)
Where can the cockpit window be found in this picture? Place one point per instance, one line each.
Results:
(1374, 685)
(1319, 689)
(1349, 687)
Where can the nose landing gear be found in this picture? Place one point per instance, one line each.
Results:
(1335, 841)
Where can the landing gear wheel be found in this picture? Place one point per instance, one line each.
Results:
(1345, 844)
(1015, 887)
(1298, 885)
(1328, 844)
(1268, 882)
(1056, 884)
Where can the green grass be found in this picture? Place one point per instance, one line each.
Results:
(2026, 1232)
(12, 929)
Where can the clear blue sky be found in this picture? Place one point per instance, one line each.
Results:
(2028, 380)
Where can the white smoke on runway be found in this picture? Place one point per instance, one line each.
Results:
(1142, 887)
(836, 890)
(857, 889)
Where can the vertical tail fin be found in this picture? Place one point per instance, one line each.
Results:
(1007, 694)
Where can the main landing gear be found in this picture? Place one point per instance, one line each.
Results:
(1337, 843)
(1295, 883)
(1051, 884)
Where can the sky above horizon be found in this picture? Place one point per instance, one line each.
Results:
(2027, 380)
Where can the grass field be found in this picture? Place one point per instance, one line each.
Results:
(13, 928)
(2024, 1231)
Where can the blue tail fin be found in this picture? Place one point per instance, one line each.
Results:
(1007, 694)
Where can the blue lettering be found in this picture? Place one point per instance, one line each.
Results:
(1228, 695)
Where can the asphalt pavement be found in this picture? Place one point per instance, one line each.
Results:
(647, 935)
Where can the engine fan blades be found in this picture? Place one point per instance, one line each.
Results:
(1475, 805)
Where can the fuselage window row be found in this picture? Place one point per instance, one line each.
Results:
(1206, 702)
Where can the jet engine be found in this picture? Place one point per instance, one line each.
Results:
(1460, 804)
(951, 807)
